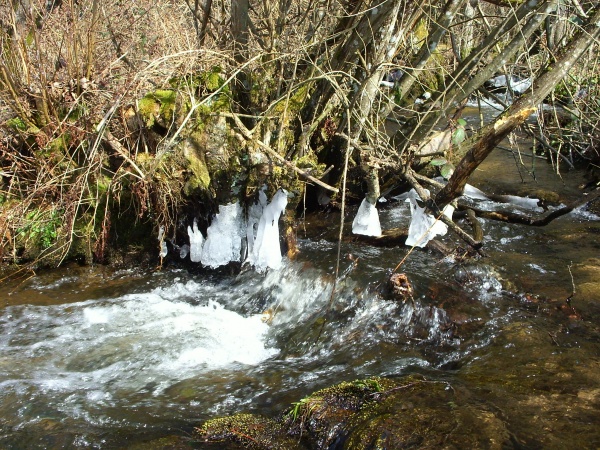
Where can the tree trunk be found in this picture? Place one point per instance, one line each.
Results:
(490, 136)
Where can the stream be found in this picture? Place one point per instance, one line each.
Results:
(92, 357)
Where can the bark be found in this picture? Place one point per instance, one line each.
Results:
(429, 46)
(240, 24)
(490, 136)
(206, 8)
(384, 47)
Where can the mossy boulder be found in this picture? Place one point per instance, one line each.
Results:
(199, 176)
(374, 413)
(246, 431)
(158, 107)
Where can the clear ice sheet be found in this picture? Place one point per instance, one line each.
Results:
(366, 221)
(424, 227)
(224, 239)
(266, 251)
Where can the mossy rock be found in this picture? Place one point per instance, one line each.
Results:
(246, 431)
(158, 107)
(322, 417)
(200, 176)
(374, 413)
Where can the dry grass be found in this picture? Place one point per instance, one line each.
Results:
(72, 74)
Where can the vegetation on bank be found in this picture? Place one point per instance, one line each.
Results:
(119, 119)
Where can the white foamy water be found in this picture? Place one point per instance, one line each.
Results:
(96, 348)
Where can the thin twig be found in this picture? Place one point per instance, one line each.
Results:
(248, 135)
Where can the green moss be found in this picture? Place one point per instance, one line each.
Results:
(60, 144)
(263, 85)
(293, 104)
(253, 432)
(72, 114)
(102, 183)
(158, 107)
(421, 31)
(212, 79)
(39, 229)
(17, 124)
(200, 176)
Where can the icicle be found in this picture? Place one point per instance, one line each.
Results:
(424, 227)
(366, 221)
(196, 242)
(161, 242)
(266, 251)
(254, 214)
(223, 242)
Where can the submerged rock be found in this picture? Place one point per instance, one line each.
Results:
(400, 287)
(246, 431)
(375, 413)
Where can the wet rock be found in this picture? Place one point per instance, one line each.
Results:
(422, 413)
(400, 287)
(376, 413)
(246, 431)
(545, 197)
(321, 418)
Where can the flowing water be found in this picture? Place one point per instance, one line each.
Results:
(96, 358)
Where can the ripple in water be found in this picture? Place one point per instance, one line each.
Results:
(96, 351)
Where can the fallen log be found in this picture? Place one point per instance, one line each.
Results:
(518, 218)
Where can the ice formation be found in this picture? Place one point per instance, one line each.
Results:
(196, 242)
(254, 214)
(224, 241)
(517, 85)
(161, 242)
(225, 236)
(524, 202)
(266, 252)
(424, 227)
(474, 193)
(366, 221)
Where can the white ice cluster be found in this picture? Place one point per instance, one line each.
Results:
(263, 245)
(424, 227)
(474, 193)
(196, 242)
(366, 221)
(224, 237)
(228, 229)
